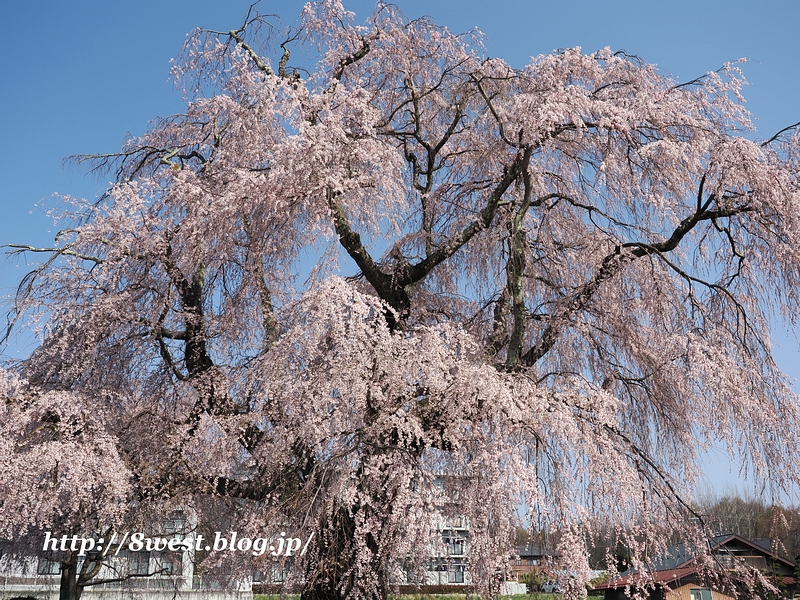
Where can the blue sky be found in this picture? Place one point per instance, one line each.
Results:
(77, 76)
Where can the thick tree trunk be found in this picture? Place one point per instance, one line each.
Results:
(350, 560)
(333, 574)
(69, 588)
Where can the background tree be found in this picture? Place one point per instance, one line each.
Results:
(62, 475)
(755, 519)
(563, 281)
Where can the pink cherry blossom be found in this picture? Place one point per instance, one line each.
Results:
(540, 291)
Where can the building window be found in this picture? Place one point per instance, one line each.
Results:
(456, 575)
(726, 561)
(48, 567)
(139, 563)
(175, 526)
(701, 594)
(170, 563)
(455, 547)
(759, 562)
(280, 572)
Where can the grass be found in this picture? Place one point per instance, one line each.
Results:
(534, 596)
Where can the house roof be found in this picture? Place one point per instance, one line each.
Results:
(531, 550)
(679, 562)
(763, 546)
(681, 554)
(657, 577)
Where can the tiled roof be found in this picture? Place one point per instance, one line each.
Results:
(662, 577)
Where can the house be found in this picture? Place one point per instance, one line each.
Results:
(530, 564)
(530, 559)
(680, 575)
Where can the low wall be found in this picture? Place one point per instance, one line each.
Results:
(9, 591)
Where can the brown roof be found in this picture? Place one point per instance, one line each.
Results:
(637, 579)
(683, 566)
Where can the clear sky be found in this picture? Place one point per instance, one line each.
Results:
(77, 77)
